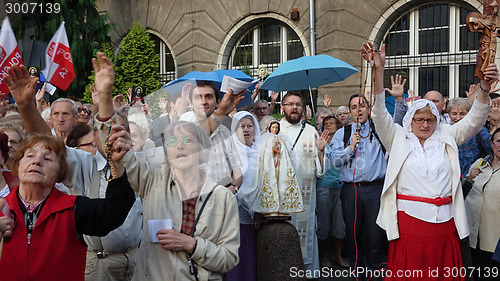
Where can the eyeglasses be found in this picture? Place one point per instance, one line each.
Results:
(422, 120)
(84, 110)
(261, 108)
(292, 104)
(173, 140)
(92, 144)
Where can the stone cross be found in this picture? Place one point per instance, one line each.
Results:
(488, 24)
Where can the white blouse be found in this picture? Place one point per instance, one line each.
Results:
(411, 182)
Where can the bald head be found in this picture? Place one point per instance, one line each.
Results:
(437, 98)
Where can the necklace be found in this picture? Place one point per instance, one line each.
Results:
(31, 219)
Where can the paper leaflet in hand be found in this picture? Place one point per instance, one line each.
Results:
(155, 226)
(235, 84)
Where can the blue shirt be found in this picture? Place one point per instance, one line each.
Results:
(370, 165)
(469, 152)
(331, 177)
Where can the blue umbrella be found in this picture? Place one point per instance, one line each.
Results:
(306, 73)
(215, 77)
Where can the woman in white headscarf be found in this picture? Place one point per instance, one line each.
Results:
(422, 207)
(245, 131)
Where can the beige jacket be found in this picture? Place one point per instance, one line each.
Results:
(217, 232)
(393, 137)
(483, 208)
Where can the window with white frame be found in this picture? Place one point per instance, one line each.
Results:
(269, 43)
(167, 66)
(430, 46)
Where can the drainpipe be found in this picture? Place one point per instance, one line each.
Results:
(312, 27)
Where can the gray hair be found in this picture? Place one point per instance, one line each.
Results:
(343, 107)
(265, 120)
(320, 111)
(458, 102)
(189, 127)
(261, 101)
(74, 108)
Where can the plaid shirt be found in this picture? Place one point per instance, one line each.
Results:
(188, 215)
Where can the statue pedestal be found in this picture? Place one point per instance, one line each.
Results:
(278, 250)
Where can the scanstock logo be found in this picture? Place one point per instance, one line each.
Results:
(3, 54)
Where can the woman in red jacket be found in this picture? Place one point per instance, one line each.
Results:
(46, 225)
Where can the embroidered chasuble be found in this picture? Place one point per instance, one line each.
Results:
(308, 169)
(278, 189)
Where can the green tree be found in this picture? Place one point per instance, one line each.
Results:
(137, 63)
(109, 52)
(86, 30)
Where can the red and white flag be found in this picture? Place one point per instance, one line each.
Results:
(9, 54)
(59, 69)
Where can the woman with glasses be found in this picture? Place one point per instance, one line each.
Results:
(82, 137)
(422, 206)
(204, 239)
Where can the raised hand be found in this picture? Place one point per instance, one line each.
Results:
(370, 53)
(397, 87)
(40, 93)
(229, 102)
(411, 94)
(21, 85)
(274, 96)
(95, 95)
(308, 113)
(327, 101)
(104, 75)
(321, 141)
(490, 77)
(376, 59)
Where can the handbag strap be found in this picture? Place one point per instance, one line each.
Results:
(192, 264)
(201, 209)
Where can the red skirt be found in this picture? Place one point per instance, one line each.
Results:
(425, 251)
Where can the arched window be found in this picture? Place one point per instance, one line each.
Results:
(268, 42)
(431, 47)
(167, 66)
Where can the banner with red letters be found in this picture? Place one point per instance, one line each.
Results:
(59, 69)
(9, 54)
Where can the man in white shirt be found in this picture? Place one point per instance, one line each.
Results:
(223, 166)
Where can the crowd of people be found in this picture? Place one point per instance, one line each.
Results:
(104, 192)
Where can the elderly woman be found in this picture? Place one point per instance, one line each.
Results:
(422, 207)
(245, 132)
(204, 239)
(82, 137)
(44, 240)
(476, 147)
(483, 210)
(329, 208)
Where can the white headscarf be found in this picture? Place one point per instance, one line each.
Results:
(244, 152)
(429, 157)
